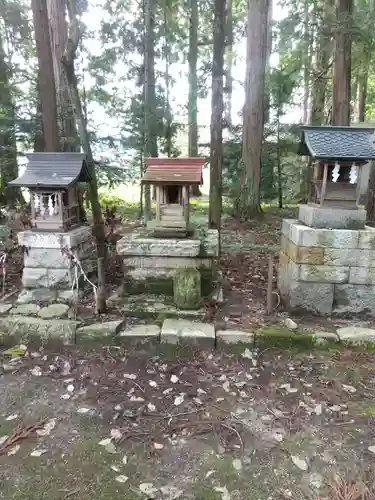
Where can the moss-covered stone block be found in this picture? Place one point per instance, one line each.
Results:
(275, 336)
(187, 288)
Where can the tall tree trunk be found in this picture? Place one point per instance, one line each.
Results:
(150, 136)
(324, 49)
(74, 36)
(58, 34)
(217, 105)
(308, 39)
(228, 64)
(167, 109)
(253, 120)
(363, 85)
(193, 87)
(8, 149)
(46, 75)
(39, 144)
(342, 63)
(267, 93)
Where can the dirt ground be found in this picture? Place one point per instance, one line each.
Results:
(165, 422)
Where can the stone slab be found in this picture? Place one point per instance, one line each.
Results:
(182, 331)
(46, 296)
(70, 239)
(354, 299)
(316, 298)
(4, 308)
(98, 331)
(367, 238)
(53, 311)
(55, 258)
(332, 218)
(305, 236)
(323, 274)
(27, 328)
(349, 257)
(362, 275)
(25, 309)
(166, 263)
(324, 338)
(141, 332)
(302, 255)
(356, 335)
(234, 337)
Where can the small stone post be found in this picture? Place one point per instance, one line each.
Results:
(187, 288)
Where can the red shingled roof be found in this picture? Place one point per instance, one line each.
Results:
(174, 170)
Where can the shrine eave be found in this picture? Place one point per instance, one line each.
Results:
(53, 170)
(347, 144)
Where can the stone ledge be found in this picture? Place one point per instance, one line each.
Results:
(70, 239)
(332, 218)
(234, 337)
(354, 335)
(98, 331)
(182, 331)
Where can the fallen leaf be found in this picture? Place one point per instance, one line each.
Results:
(110, 448)
(115, 468)
(168, 391)
(201, 391)
(237, 464)
(151, 407)
(116, 434)
(36, 371)
(226, 386)
(136, 399)
(47, 428)
(104, 442)
(83, 410)
(318, 409)
(158, 446)
(371, 449)
(3, 439)
(125, 460)
(16, 351)
(247, 354)
(174, 379)
(152, 383)
(178, 400)
(170, 492)
(349, 388)
(38, 453)
(209, 473)
(121, 479)
(224, 492)
(11, 417)
(130, 376)
(14, 450)
(300, 463)
(148, 489)
(65, 396)
(70, 388)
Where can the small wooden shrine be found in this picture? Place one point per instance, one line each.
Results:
(55, 190)
(337, 153)
(172, 178)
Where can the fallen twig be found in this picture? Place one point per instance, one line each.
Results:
(20, 433)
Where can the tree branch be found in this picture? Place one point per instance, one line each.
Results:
(74, 34)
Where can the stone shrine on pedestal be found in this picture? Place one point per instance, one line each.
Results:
(327, 258)
(56, 182)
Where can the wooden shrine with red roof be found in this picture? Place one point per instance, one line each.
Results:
(172, 178)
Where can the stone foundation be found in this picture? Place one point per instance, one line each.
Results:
(327, 271)
(48, 272)
(313, 215)
(150, 263)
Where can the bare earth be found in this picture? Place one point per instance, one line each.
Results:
(207, 425)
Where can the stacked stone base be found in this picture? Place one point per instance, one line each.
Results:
(49, 274)
(150, 263)
(327, 271)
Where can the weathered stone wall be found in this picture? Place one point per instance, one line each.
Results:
(47, 269)
(327, 270)
(150, 263)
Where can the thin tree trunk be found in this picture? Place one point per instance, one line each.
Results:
(58, 34)
(252, 141)
(342, 63)
(228, 65)
(323, 54)
(46, 76)
(150, 136)
(267, 94)
(362, 95)
(8, 148)
(74, 35)
(167, 111)
(217, 105)
(193, 87)
(39, 144)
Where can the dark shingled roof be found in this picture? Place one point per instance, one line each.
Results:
(178, 171)
(53, 170)
(337, 143)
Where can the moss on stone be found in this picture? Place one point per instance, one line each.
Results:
(152, 286)
(187, 288)
(283, 338)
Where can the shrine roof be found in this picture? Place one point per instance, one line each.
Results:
(180, 171)
(337, 143)
(53, 170)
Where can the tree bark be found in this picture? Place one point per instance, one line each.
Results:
(228, 65)
(46, 75)
(307, 62)
(217, 105)
(58, 35)
(150, 135)
(74, 35)
(8, 148)
(342, 63)
(321, 69)
(253, 121)
(193, 87)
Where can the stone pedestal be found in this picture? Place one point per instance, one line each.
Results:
(48, 272)
(150, 263)
(313, 215)
(327, 271)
